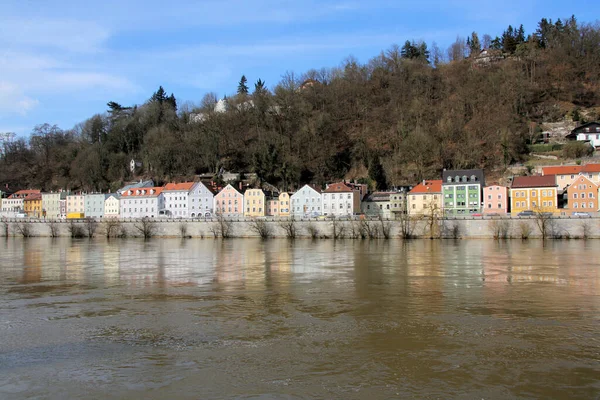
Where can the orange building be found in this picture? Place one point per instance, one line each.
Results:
(534, 193)
(32, 205)
(583, 195)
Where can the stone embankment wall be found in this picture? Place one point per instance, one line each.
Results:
(477, 228)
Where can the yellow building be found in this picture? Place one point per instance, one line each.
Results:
(32, 205)
(254, 203)
(284, 204)
(426, 199)
(534, 193)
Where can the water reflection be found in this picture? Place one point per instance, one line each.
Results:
(335, 319)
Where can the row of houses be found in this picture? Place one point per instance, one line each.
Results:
(459, 193)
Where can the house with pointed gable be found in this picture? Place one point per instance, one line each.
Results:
(229, 202)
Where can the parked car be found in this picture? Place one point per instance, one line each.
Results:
(581, 214)
(526, 213)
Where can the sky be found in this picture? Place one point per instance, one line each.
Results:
(62, 61)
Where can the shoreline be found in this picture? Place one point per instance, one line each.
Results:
(367, 229)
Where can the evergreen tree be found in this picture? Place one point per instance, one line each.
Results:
(172, 101)
(242, 86)
(259, 87)
(377, 173)
(474, 44)
(160, 96)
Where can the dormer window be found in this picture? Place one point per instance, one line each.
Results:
(129, 192)
(457, 178)
(137, 192)
(449, 179)
(473, 178)
(151, 191)
(587, 129)
(464, 178)
(143, 192)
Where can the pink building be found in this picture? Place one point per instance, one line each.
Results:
(273, 207)
(229, 202)
(495, 199)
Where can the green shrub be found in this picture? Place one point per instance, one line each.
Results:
(577, 149)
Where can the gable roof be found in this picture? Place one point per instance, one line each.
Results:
(231, 186)
(180, 187)
(338, 187)
(33, 196)
(580, 128)
(432, 186)
(562, 170)
(580, 179)
(533, 181)
(23, 193)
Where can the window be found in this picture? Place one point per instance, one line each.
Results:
(575, 195)
(489, 205)
(489, 196)
(583, 195)
(582, 205)
(550, 204)
(591, 195)
(534, 193)
(534, 204)
(499, 205)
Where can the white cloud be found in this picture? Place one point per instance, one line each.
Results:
(13, 101)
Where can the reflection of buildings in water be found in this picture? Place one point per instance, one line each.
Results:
(32, 263)
(168, 262)
(74, 263)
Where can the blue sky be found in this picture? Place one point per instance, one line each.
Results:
(62, 61)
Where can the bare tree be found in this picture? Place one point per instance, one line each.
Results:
(91, 225)
(338, 228)
(75, 230)
(385, 228)
(54, 229)
(261, 227)
(545, 223)
(407, 225)
(5, 227)
(221, 228)
(433, 220)
(183, 230)
(24, 229)
(525, 230)
(586, 229)
(312, 230)
(146, 227)
(290, 227)
(112, 227)
(499, 228)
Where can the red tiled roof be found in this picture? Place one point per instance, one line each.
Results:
(33, 196)
(534, 181)
(591, 168)
(433, 186)
(339, 187)
(143, 192)
(179, 186)
(21, 193)
(562, 170)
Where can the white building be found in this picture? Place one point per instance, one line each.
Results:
(307, 202)
(94, 205)
(341, 199)
(111, 206)
(51, 204)
(201, 200)
(176, 196)
(589, 133)
(142, 202)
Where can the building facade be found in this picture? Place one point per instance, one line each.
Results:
(176, 198)
(426, 199)
(15, 202)
(201, 200)
(142, 203)
(398, 203)
(495, 199)
(583, 196)
(588, 133)
(306, 202)
(111, 206)
(51, 204)
(534, 193)
(340, 199)
(273, 207)
(75, 206)
(462, 190)
(378, 204)
(229, 202)
(284, 204)
(32, 205)
(254, 203)
(94, 205)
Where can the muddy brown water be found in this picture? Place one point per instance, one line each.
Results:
(204, 319)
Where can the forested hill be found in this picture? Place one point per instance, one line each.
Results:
(406, 114)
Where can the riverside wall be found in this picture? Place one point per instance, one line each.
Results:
(476, 228)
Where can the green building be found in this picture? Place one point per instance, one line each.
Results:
(462, 191)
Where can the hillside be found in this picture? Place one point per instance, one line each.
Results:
(403, 116)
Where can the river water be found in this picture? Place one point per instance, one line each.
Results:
(208, 319)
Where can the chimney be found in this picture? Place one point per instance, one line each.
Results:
(423, 181)
(240, 185)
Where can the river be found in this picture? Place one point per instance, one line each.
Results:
(247, 319)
